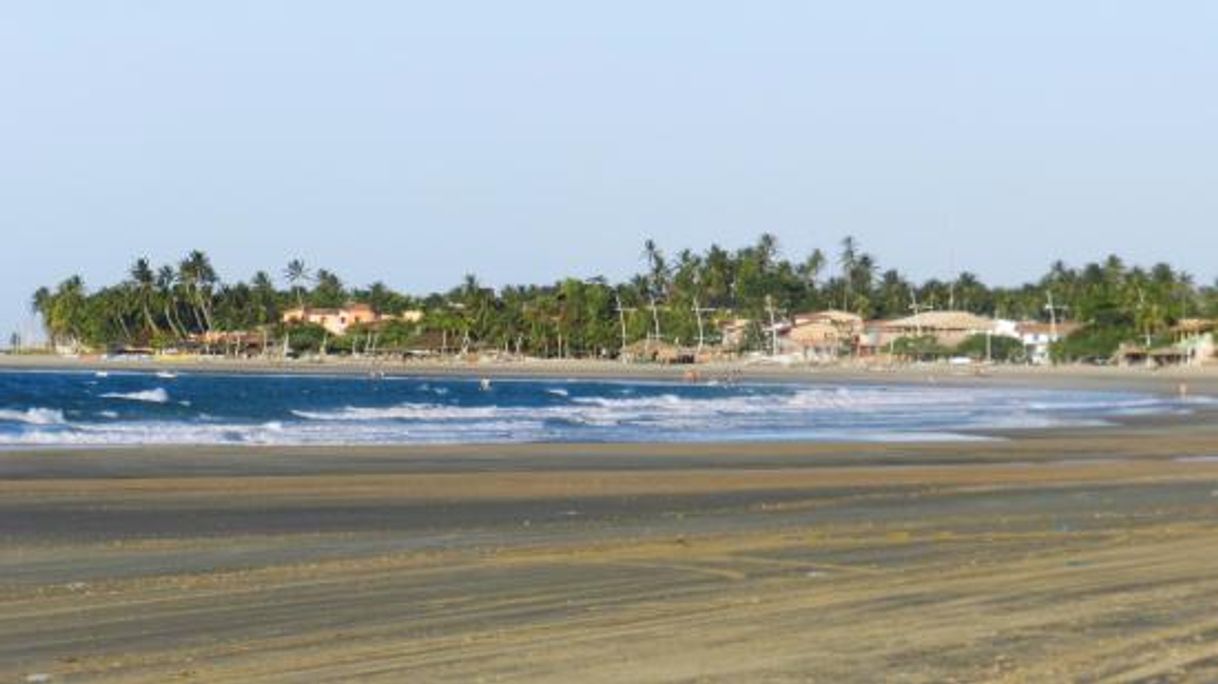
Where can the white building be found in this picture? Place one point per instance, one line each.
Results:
(1038, 337)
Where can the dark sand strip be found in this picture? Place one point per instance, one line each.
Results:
(1075, 554)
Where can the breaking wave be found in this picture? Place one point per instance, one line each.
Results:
(152, 396)
(324, 410)
(33, 416)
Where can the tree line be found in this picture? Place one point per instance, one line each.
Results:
(677, 298)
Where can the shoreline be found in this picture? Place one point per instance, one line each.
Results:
(1167, 381)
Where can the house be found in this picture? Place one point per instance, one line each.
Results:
(733, 333)
(949, 328)
(816, 340)
(1195, 338)
(1038, 337)
(231, 342)
(335, 321)
(657, 351)
(845, 322)
(1132, 355)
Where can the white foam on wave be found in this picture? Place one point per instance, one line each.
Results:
(407, 411)
(800, 413)
(488, 432)
(1107, 404)
(156, 395)
(272, 433)
(675, 414)
(33, 416)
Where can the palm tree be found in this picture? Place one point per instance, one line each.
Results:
(659, 279)
(113, 306)
(166, 284)
(67, 315)
(41, 303)
(379, 297)
(848, 261)
(144, 284)
(767, 250)
(297, 275)
(972, 292)
(811, 267)
(328, 290)
(195, 272)
(718, 272)
(263, 297)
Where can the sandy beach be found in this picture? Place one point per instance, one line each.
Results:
(1168, 380)
(1070, 554)
(591, 343)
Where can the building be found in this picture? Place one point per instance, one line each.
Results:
(949, 328)
(733, 333)
(817, 340)
(846, 323)
(657, 351)
(1195, 338)
(335, 321)
(231, 342)
(1037, 338)
(824, 334)
(1193, 345)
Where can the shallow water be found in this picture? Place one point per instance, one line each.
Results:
(85, 408)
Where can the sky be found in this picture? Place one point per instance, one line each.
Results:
(415, 142)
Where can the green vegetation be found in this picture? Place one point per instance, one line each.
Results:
(991, 348)
(920, 348)
(677, 299)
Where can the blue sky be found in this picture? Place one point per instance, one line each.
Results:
(415, 142)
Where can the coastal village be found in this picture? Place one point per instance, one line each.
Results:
(748, 305)
(620, 343)
(826, 337)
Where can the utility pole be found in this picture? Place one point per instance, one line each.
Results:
(1053, 309)
(698, 311)
(769, 305)
(621, 318)
(655, 317)
(951, 285)
(1052, 317)
(1141, 307)
(916, 309)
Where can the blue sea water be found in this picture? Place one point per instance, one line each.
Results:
(87, 408)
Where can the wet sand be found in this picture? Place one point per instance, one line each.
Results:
(1062, 555)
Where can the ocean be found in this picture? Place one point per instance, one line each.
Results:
(131, 408)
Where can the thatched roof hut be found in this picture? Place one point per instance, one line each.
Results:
(658, 351)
